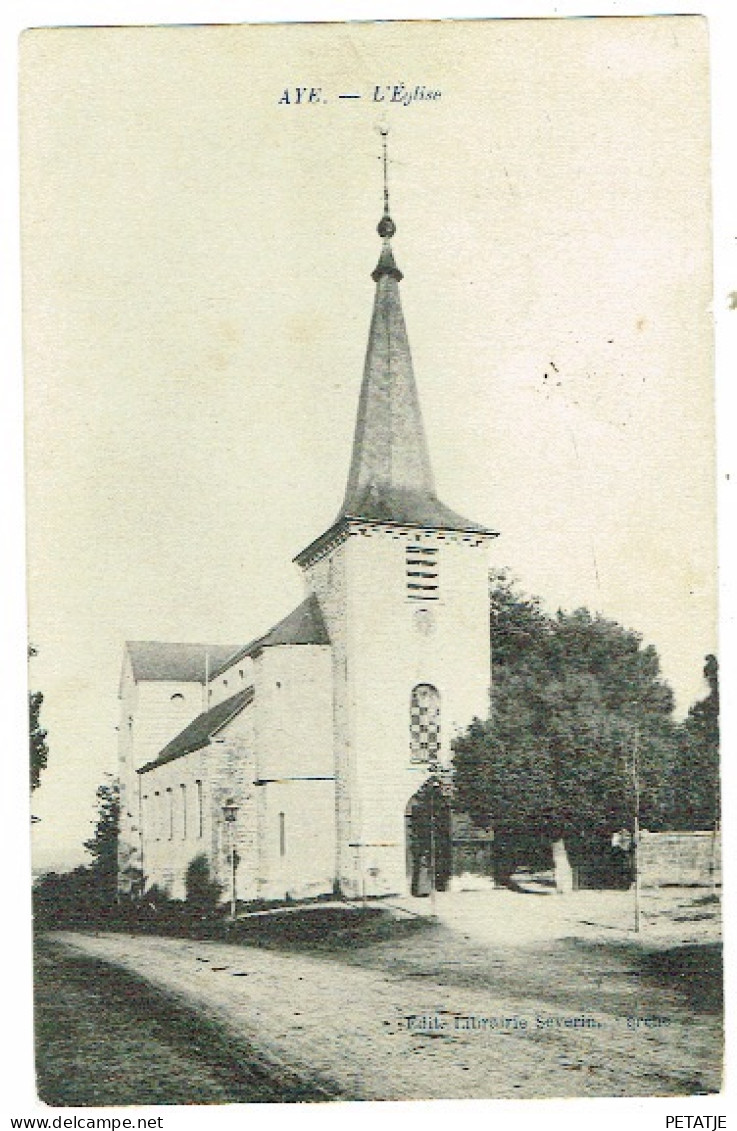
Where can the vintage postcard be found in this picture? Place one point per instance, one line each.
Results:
(372, 561)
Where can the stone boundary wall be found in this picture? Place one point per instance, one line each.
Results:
(681, 858)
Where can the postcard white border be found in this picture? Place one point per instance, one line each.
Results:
(18, 1093)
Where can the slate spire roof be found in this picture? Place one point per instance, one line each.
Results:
(390, 477)
(390, 455)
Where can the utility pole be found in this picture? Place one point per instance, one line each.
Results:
(636, 837)
(714, 836)
(433, 884)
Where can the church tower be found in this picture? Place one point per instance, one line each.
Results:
(402, 582)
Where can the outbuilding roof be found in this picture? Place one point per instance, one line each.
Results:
(154, 660)
(304, 625)
(202, 729)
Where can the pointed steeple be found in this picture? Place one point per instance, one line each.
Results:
(390, 455)
(390, 477)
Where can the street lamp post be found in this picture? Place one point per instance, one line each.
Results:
(230, 813)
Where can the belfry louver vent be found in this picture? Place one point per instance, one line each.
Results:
(423, 577)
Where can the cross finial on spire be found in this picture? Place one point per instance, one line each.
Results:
(386, 227)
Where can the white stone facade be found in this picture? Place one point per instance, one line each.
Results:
(273, 760)
(385, 643)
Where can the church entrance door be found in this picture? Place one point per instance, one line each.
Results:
(427, 819)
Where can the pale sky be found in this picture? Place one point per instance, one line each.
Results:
(197, 297)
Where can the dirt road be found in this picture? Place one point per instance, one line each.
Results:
(105, 1038)
(545, 1019)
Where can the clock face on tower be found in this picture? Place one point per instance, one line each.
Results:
(425, 621)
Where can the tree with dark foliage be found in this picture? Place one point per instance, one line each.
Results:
(573, 695)
(87, 895)
(202, 891)
(103, 845)
(693, 784)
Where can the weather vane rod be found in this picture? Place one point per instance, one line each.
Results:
(384, 132)
(386, 227)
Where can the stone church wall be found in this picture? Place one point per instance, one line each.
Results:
(297, 839)
(294, 725)
(232, 769)
(394, 643)
(326, 578)
(444, 643)
(235, 678)
(182, 818)
(174, 821)
(162, 711)
(151, 714)
(295, 771)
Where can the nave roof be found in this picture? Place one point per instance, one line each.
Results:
(202, 729)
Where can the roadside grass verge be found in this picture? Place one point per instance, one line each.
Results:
(107, 1038)
(695, 972)
(333, 930)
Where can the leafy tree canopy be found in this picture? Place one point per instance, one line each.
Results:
(692, 785)
(576, 697)
(202, 891)
(103, 845)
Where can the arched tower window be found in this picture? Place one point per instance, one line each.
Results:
(424, 723)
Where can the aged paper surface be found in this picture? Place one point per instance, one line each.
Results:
(199, 207)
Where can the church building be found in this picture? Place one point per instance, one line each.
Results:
(296, 764)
